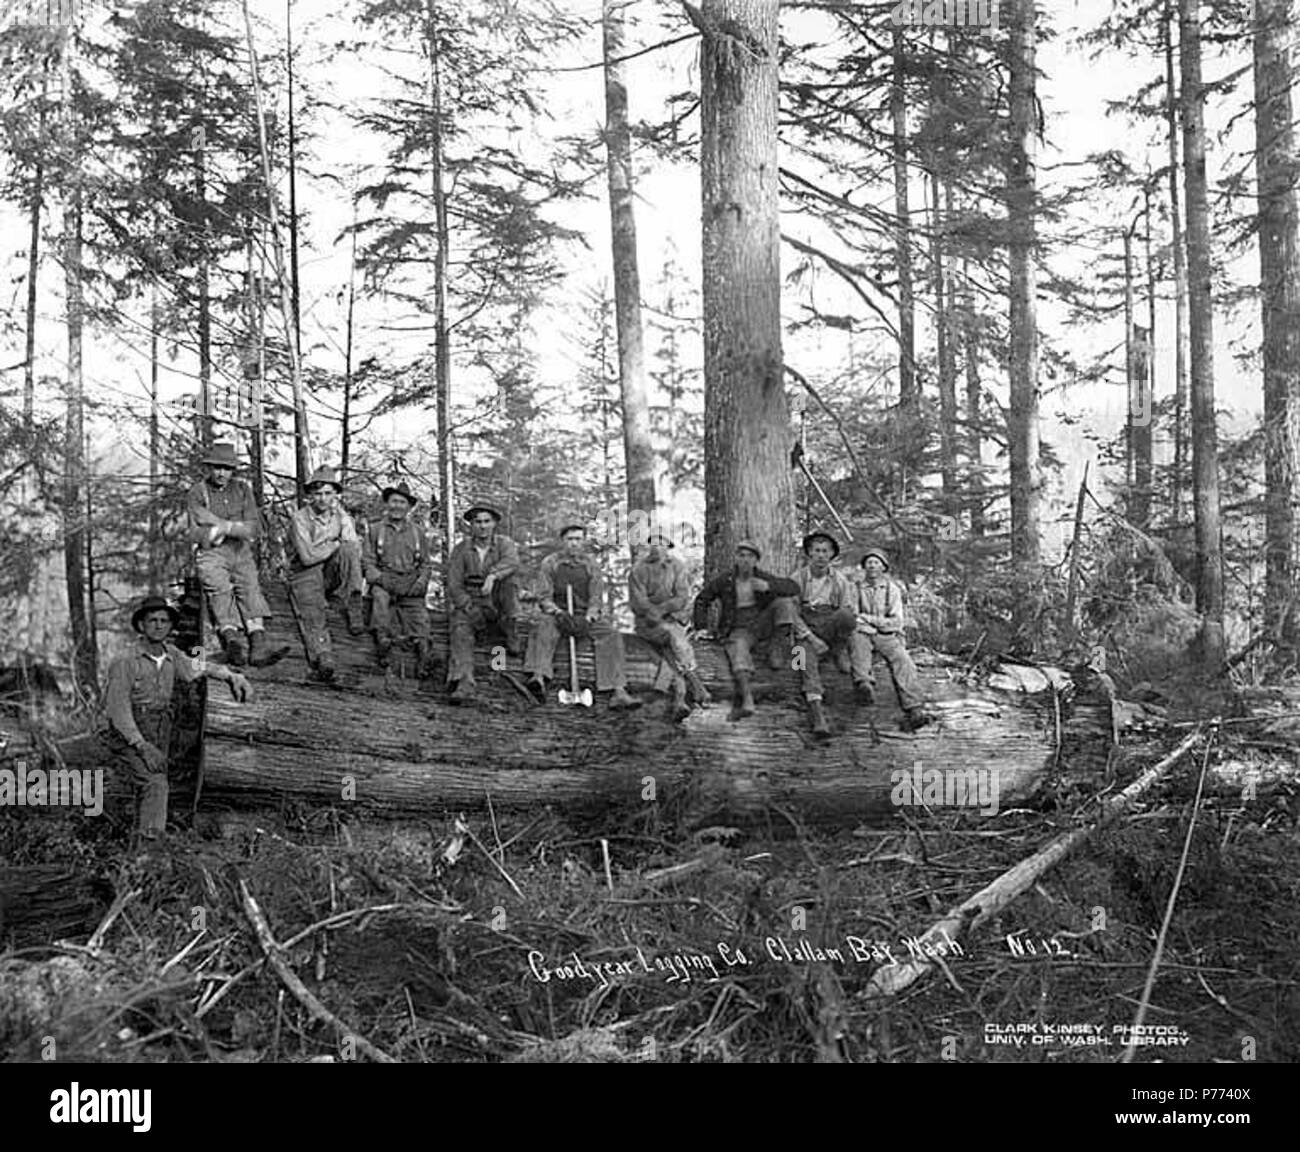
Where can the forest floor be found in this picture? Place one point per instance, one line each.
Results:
(515, 937)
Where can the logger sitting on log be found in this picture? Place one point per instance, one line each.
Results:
(397, 561)
(138, 708)
(481, 590)
(880, 623)
(324, 562)
(574, 569)
(828, 606)
(659, 592)
(754, 606)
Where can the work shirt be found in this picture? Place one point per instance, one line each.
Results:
(830, 591)
(581, 573)
(140, 681)
(883, 600)
(316, 537)
(397, 548)
(468, 568)
(727, 590)
(208, 507)
(662, 584)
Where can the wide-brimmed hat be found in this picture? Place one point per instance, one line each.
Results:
(808, 541)
(878, 554)
(658, 537)
(749, 546)
(321, 477)
(402, 489)
(469, 512)
(222, 455)
(572, 528)
(153, 604)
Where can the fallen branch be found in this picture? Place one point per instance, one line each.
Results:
(991, 900)
(291, 981)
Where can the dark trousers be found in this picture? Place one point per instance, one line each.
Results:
(311, 588)
(611, 669)
(484, 612)
(394, 617)
(229, 577)
(151, 790)
(901, 669)
(754, 625)
(838, 627)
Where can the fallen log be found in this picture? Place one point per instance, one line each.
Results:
(41, 903)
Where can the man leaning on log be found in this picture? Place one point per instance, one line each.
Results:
(573, 570)
(481, 591)
(324, 563)
(754, 606)
(660, 593)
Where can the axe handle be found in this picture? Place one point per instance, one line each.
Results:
(573, 648)
(826, 500)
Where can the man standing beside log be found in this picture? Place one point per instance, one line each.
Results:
(754, 606)
(224, 523)
(659, 593)
(324, 563)
(880, 623)
(396, 560)
(138, 707)
(574, 570)
(828, 606)
(481, 591)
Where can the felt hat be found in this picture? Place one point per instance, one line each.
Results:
(322, 476)
(812, 536)
(749, 546)
(469, 512)
(222, 455)
(878, 554)
(572, 528)
(153, 604)
(403, 489)
(658, 537)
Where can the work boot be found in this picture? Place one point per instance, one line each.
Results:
(915, 718)
(620, 700)
(865, 691)
(323, 667)
(260, 652)
(678, 710)
(465, 691)
(698, 692)
(426, 662)
(820, 725)
(383, 649)
(236, 648)
(744, 695)
(353, 614)
(514, 646)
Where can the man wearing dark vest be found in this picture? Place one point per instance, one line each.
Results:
(572, 567)
(138, 707)
(481, 591)
(880, 622)
(397, 560)
(224, 523)
(324, 563)
(754, 606)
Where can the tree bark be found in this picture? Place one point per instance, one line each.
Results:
(1182, 336)
(1275, 166)
(1022, 415)
(441, 264)
(747, 430)
(945, 352)
(1205, 443)
(975, 446)
(908, 395)
(638, 448)
(33, 273)
(204, 293)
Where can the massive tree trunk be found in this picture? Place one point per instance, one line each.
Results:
(945, 353)
(204, 294)
(441, 264)
(1182, 337)
(747, 430)
(1022, 415)
(33, 273)
(74, 436)
(974, 441)
(908, 395)
(1279, 259)
(1205, 442)
(638, 448)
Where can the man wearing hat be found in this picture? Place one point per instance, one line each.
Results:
(828, 621)
(574, 569)
(397, 559)
(138, 707)
(754, 605)
(880, 625)
(481, 590)
(659, 593)
(324, 563)
(224, 522)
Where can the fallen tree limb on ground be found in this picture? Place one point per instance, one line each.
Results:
(892, 979)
